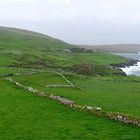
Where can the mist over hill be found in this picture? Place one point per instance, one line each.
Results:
(118, 48)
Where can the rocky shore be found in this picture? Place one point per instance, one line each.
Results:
(130, 62)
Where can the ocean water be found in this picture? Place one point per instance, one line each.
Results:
(131, 70)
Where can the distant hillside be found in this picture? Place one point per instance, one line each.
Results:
(125, 48)
(14, 38)
(23, 48)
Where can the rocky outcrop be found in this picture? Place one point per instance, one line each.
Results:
(120, 73)
(131, 62)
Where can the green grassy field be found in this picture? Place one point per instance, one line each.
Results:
(5, 70)
(105, 92)
(27, 116)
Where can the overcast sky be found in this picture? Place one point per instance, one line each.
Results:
(76, 21)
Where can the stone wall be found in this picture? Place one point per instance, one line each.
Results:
(92, 110)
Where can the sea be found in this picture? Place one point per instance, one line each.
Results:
(131, 70)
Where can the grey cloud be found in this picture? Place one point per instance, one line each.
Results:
(76, 21)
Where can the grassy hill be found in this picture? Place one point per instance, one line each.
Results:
(16, 44)
(13, 38)
(87, 78)
(30, 49)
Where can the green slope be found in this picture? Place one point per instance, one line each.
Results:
(19, 46)
(24, 48)
(29, 117)
(14, 38)
(105, 92)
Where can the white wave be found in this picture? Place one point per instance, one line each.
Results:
(132, 70)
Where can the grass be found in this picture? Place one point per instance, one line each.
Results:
(25, 47)
(6, 70)
(26, 40)
(57, 59)
(27, 116)
(6, 59)
(105, 92)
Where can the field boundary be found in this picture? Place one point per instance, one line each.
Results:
(69, 83)
(118, 117)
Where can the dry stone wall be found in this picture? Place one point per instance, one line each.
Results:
(93, 110)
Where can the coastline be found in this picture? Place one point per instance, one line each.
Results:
(130, 62)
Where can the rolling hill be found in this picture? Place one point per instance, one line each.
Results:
(28, 49)
(15, 38)
(49, 89)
